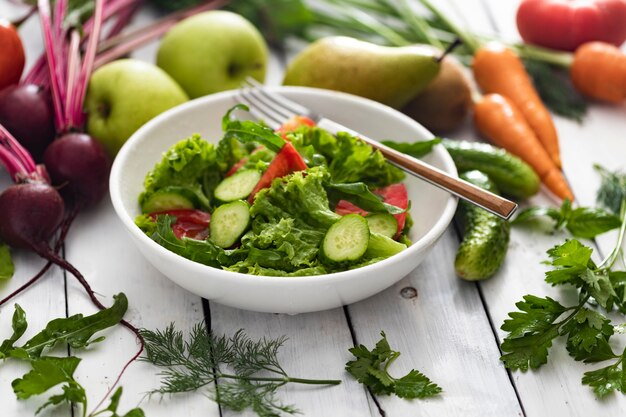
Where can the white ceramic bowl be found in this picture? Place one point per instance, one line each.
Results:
(432, 209)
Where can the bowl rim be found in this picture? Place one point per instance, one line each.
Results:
(423, 243)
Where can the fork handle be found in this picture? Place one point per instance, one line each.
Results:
(475, 195)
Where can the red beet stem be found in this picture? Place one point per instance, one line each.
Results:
(65, 227)
(43, 250)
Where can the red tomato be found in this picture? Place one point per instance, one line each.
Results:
(567, 24)
(12, 56)
(294, 123)
(288, 160)
(394, 194)
(190, 223)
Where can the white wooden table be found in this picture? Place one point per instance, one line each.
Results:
(449, 330)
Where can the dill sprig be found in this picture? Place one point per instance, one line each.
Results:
(238, 373)
(612, 191)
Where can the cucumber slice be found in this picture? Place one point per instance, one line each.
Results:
(383, 224)
(238, 186)
(347, 239)
(166, 200)
(228, 222)
(383, 247)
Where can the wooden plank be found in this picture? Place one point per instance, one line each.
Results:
(555, 389)
(100, 248)
(444, 332)
(46, 299)
(42, 302)
(104, 253)
(317, 348)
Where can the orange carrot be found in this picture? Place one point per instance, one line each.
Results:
(599, 71)
(497, 69)
(503, 123)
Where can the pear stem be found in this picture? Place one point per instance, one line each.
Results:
(449, 49)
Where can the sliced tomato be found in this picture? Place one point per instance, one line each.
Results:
(288, 160)
(294, 123)
(345, 207)
(190, 223)
(394, 194)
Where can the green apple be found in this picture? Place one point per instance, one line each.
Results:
(213, 51)
(125, 94)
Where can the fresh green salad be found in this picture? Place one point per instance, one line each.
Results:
(293, 202)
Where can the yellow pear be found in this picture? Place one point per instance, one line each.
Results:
(389, 75)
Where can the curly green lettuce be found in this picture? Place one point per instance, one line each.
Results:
(183, 170)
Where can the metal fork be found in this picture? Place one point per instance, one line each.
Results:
(274, 109)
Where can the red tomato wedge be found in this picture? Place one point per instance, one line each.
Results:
(394, 194)
(190, 223)
(288, 160)
(294, 123)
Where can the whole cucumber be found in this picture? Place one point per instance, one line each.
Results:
(485, 236)
(513, 176)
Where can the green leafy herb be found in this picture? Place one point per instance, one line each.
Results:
(370, 368)
(415, 149)
(6, 264)
(539, 321)
(360, 195)
(556, 90)
(612, 191)
(246, 131)
(19, 326)
(48, 372)
(247, 372)
(582, 222)
(77, 330)
(184, 167)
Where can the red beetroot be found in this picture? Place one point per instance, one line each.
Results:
(31, 213)
(26, 112)
(79, 166)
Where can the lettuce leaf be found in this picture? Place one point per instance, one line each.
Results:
(183, 166)
(6, 264)
(300, 196)
(348, 159)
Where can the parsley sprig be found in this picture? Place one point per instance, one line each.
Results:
(538, 321)
(371, 368)
(238, 373)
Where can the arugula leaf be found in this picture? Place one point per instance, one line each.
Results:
(6, 264)
(114, 404)
(414, 149)
(370, 368)
(48, 372)
(582, 222)
(77, 330)
(246, 131)
(202, 251)
(608, 379)
(19, 325)
(360, 195)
